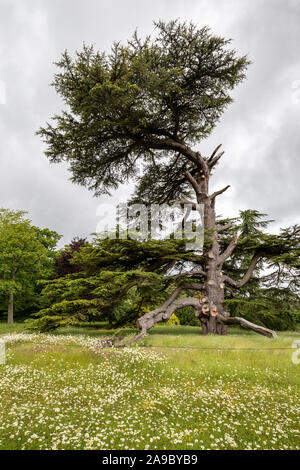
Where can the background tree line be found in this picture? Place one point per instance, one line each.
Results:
(115, 281)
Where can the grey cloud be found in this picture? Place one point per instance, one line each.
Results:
(259, 131)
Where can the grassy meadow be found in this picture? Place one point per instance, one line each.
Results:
(175, 390)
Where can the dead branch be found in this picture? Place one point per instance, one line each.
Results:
(185, 202)
(213, 161)
(214, 153)
(248, 325)
(247, 275)
(193, 286)
(216, 193)
(220, 228)
(193, 182)
(189, 274)
(226, 253)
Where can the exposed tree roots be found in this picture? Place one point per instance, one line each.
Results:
(164, 312)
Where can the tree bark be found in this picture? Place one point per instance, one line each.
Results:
(164, 312)
(214, 287)
(249, 326)
(10, 313)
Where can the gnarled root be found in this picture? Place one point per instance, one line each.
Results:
(133, 340)
(108, 343)
(164, 312)
(248, 325)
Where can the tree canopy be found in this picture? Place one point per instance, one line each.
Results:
(26, 255)
(144, 102)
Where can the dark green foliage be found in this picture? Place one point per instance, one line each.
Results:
(146, 100)
(186, 316)
(27, 255)
(271, 296)
(278, 309)
(118, 278)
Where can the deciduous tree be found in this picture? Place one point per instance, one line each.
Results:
(26, 255)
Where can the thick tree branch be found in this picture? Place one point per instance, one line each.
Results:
(220, 228)
(247, 275)
(184, 202)
(226, 253)
(133, 340)
(146, 321)
(193, 182)
(187, 302)
(203, 163)
(171, 144)
(214, 153)
(189, 274)
(216, 193)
(193, 286)
(247, 324)
(213, 161)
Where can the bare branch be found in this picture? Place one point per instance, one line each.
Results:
(203, 163)
(229, 290)
(247, 275)
(193, 286)
(133, 340)
(189, 274)
(214, 161)
(193, 182)
(214, 152)
(185, 202)
(226, 253)
(220, 228)
(216, 193)
(247, 324)
(189, 301)
(146, 321)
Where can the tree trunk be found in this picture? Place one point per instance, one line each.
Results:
(210, 308)
(210, 323)
(10, 314)
(214, 286)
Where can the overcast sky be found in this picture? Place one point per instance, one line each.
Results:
(259, 131)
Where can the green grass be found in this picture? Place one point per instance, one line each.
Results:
(180, 391)
(14, 328)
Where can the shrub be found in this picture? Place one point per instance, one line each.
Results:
(173, 320)
(186, 316)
